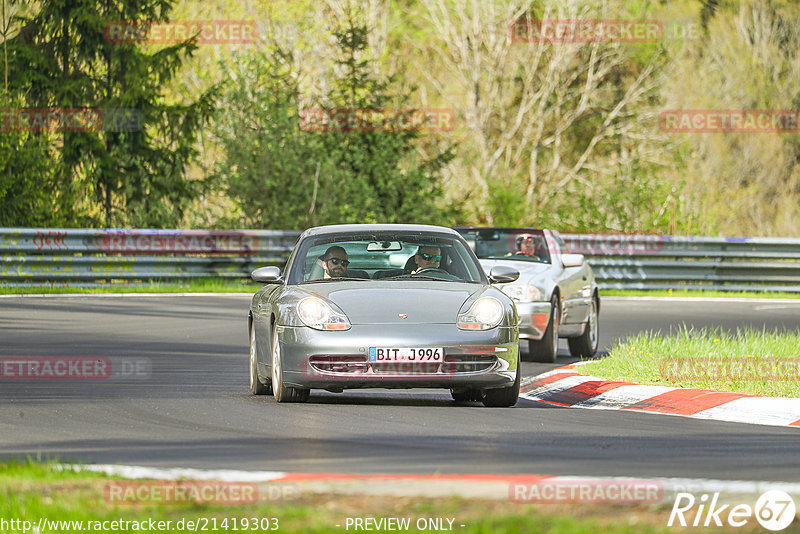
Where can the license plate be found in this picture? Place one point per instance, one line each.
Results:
(400, 354)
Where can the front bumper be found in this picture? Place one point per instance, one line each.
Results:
(334, 360)
(533, 319)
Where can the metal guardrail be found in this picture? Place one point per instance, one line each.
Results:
(710, 263)
(92, 257)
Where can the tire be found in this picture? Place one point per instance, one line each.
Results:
(280, 390)
(257, 385)
(503, 397)
(545, 350)
(585, 345)
(466, 395)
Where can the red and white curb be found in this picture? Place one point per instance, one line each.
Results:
(516, 488)
(567, 387)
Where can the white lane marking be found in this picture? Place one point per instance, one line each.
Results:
(772, 307)
(175, 473)
(752, 300)
(129, 295)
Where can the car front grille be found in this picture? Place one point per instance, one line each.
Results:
(462, 363)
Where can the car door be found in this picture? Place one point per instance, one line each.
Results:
(572, 280)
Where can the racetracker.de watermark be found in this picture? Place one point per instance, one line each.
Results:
(586, 31)
(74, 368)
(558, 491)
(748, 369)
(628, 245)
(179, 31)
(70, 120)
(730, 121)
(377, 120)
(180, 492)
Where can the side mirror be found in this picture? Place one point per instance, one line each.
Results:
(572, 260)
(267, 275)
(502, 274)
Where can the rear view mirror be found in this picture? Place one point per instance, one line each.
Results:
(502, 274)
(572, 260)
(267, 275)
(383, 246)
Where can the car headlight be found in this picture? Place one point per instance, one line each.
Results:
(523, 292)
(317, 314)
(485, 313)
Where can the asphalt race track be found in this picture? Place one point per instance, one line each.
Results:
(183, 400)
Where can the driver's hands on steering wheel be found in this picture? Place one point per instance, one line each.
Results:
(423, 269)
(529, 254)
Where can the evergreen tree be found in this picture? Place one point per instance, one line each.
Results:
(386, 182)
(132, 170)
(286, 175)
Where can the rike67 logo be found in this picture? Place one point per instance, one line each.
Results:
(774, 510)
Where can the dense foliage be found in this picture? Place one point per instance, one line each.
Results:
(128, 168)
(564, 135)
(286, 175)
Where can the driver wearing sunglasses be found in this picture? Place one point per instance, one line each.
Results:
(427, 258)
(335, 262)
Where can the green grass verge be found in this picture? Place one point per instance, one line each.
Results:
(695, 293)
(211, 285)
(30, 491)
(748, 361)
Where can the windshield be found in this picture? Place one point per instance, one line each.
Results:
(386, 256)
(507, 244)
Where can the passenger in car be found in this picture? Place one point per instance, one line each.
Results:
(427, 257)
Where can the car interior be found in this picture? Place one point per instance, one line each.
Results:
(378, 266)
(515, 245)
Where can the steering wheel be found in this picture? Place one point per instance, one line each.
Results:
(529, 254)
(432, 270)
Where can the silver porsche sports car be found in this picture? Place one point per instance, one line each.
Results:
(384, 306)
(556, 294)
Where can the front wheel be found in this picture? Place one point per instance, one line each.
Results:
(503, 397)
(282, 392)
(585, 345)
(257, 386)
(545, 350)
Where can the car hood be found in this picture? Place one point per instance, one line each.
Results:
(387, 302)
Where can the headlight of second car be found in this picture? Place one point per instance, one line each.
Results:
(485, 313)
(317, 314)
(523, 292)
